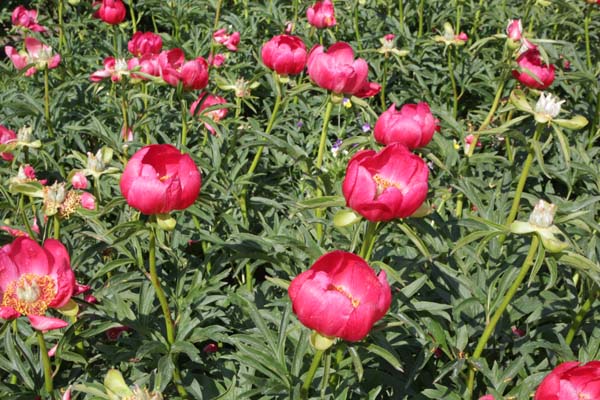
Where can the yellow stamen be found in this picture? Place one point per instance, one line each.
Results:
(30, 294)
(342, 290)
(383, 184)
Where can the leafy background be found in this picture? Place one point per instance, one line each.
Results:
(448, 270)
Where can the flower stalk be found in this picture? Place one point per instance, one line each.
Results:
(489, 329)
(524, 174)
(47, 105)
(453, 82)
(581, 314)
(421, 11)
(310, 375)
(47, 366)
(369, 240)
(164, 305)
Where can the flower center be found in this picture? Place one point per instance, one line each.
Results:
(383, 184)
(164, 178)
(342, 290)
(30, 294)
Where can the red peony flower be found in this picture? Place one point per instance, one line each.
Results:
(205, 101)
(143, 43)
(571, 381)
(7, 136)
(27, 19)
(173, 69)
(159, 179)
(111, 11)
(321, 14)
(413, 125)
(385, 185)
(337, 70)
(284, 54)
(34, 278)
(340, 296)
(532, 73)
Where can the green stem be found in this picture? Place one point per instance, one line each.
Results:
(270, 125)
(184, 125)
(311, 374)
(581, 314)
(48, 384)
(24, 216)
(586, 29)
(61, 29)
(594, 125)
(356, 26)
(47, 105)
(132, 14)
(421, 11)
(369, 240)
(384, 81)
(453, 82)
(319, 212)
(125, 119)
(160, 294)
(475, 26)
(401, 11)
(524, 174)
(97, 189)
(217, 14)
(459, 205)
(458, 15)
(56, 225)
(489, 116)
(164, 305)
(256, 160)
(323, 139)
(489, 329)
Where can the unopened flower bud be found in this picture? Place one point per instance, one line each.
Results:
(543, 214)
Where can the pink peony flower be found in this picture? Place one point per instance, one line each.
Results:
(205, 101)
(88, 201)
(36, 53)
(337, 70)
(34, 278)
(111, 11)
(413, 125)
(26, 19)
(230, 41)
(340, 296)
(532, 73)
(571, 381)
(217, 60)
(284, 54)
(7, 136)
(114, 69)
(79, 181)
(174, 69)
(321, 14)
(385, 185)
(147, 64)
(514, 30)
(143, 43)
(159, 179)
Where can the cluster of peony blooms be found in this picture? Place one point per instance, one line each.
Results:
(150, 62)
(341, 295)
(35, 55)
(531, 72)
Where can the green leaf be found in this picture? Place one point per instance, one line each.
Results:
(322, 202)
